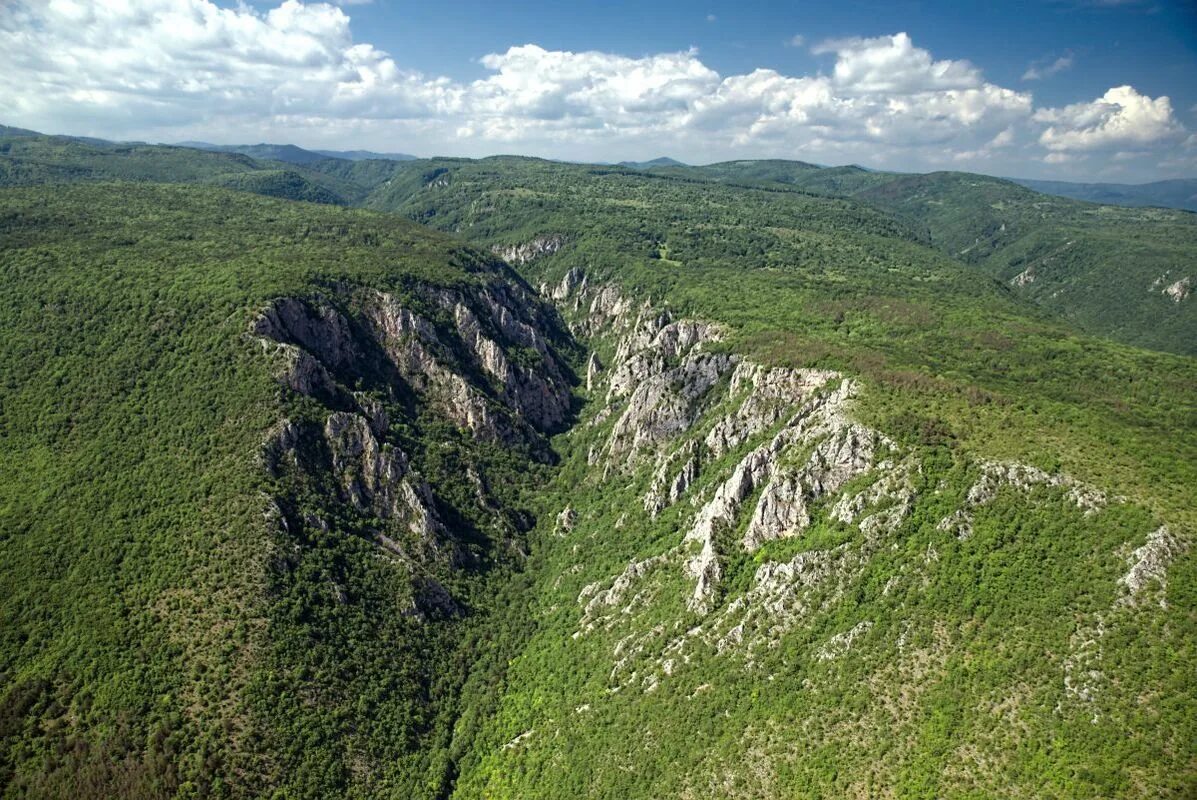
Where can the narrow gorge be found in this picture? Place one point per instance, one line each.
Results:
(706, 528)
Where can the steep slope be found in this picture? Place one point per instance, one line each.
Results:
(265, 466)
(844, 517)
(807, 281)
(749, 592)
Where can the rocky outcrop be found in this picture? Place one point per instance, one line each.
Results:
(566, 520)
(666, 375)
(768, 395)
(662, 373)
(840, 451)
(317, 328)
(670, 481)
(375, 475)
(1022, 477)
(529, 250)
(838, 645)
(370, 369)
(598, 600)
(538, 394)
(1024, 278)
(762, 453)
(1179, 291)
(880, 508)
(1149, 565)
(325, 346)
(783, 506)
(594, 368)
(1147, 575)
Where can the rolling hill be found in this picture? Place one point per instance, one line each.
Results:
(1119, 272)
(1179, 193)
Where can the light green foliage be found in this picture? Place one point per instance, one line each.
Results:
(1102, 267)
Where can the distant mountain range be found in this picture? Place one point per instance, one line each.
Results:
(366, 155)
(663, 161)
(1180, 193)
(291, 154)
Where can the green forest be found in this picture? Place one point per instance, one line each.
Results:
(210, 590)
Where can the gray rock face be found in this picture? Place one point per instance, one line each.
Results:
(1149, 564)
(664, 378)
(841, 451)
(670, 481)
(769, 394)
(318, 329)
(781, 511)
(573, 283)
(375, 475)
(594, 368)
(478, 356)
(567, 520)
(541, 395)
(521, 400)
(1179, 291)
(530, 250)
(662, 373)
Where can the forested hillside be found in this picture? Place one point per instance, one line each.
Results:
(1121, 272)
(239, 555)
(1176, 193)
(536, 479)
(1124, 273)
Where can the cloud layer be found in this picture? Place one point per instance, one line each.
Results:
(174, 69)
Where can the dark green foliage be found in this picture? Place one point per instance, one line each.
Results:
(284, 184)
(31, 160)
(160, 637)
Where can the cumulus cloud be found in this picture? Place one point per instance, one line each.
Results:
(152, 63)
(1119, 118)
(540, 84)
(175, 69)
(894, 64)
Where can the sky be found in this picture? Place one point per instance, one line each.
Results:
(1064, 89)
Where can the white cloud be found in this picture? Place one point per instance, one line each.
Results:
(894, 64)
(176, 69)
(1118, 118)
(797, 40)
(1041, 69)
(711, 17)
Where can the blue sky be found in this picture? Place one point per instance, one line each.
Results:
(1152, 46)
(1074, 89)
